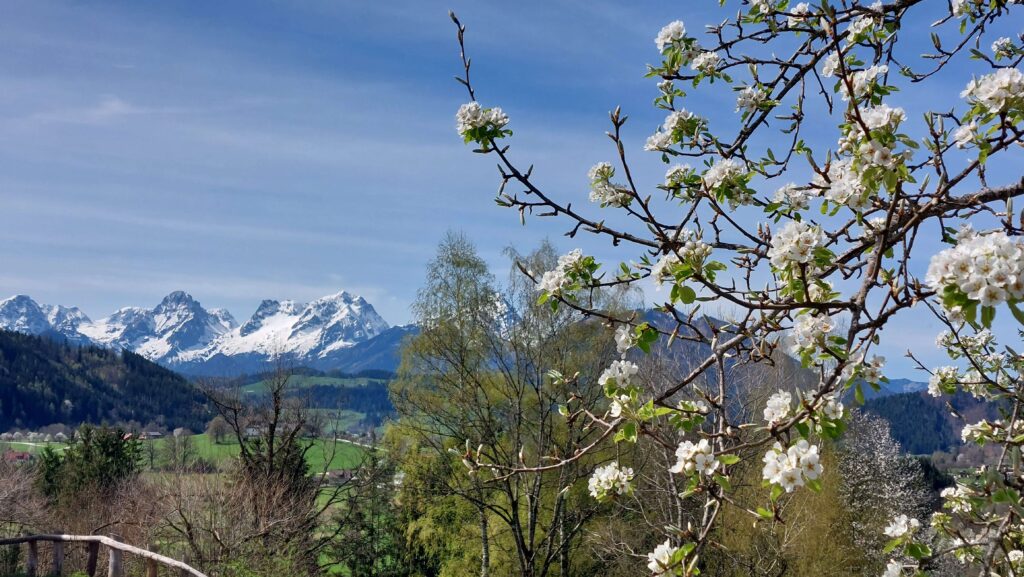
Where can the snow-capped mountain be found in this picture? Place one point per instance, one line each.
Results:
(181, 334)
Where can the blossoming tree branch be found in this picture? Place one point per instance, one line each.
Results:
(828, 267)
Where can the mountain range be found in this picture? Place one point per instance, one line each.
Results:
(335, 332)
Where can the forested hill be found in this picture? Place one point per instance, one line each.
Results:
(923, 424)
(43, 381)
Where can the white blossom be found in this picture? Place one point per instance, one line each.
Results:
(961, 7)
(862, 81)
(695, 458)
(987, 268)
(554, 281)
(795, 244)
(798, 14)
(1002, 48)
(902, 526)
(662, 270)
(605, 192)
(844, 185)
(720, 172)
(893, 569)
(471, 116)
(676, 175)
(673, 32)
(966, 134)
(808, 331)
(750, 99)
(621, 372)
(659, 561)
(793, 467)
(625, 338)
(941, 379)
(997, 91)
(706, 62)
(795, 196)
(610, 480)
(778, 406)
(830, 65)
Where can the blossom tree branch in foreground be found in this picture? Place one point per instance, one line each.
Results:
(837, 252)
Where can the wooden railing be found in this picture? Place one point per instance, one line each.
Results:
(116, 550)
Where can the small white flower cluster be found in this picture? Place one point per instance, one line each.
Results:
(556, 280)
(830, 65)
(676, 175)
(808, 332)
(1002, 48)
(795, 196)
(798, 14)
(870, 370)
(660, 562)
(966, 134)
(472, 116)
(863, 80)
(605, 192)
(619, 405)
(794, 245)
(976, 431)
(987, 268)
(672, 33)
(791, 468)
(694, 407)
(695, 458)
(610, 480)
(706, 62)
(693, 249)
(621, 372)
(902, 526)
(661, 271)
(750, 99)
(720, 172)
(625, 339)
(724, 172)
(844, 185)
(961, 7)
(763, 6)
(833, 408)
(858, 27)
(778, 406)
(996, 92)
(675, 127)
(958, 499)
(893, 569)
(942, 380)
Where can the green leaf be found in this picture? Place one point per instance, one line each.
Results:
(687, 295)
(858, 394)
(765, 513)
(729, 459)
(988, 314)
(1017, 313)
(723, 481)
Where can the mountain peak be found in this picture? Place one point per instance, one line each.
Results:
(178, 299)
(180, 333)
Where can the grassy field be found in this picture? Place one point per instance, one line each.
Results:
(341, 455)
(300, 381)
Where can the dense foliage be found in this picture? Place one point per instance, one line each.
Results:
(43, 382)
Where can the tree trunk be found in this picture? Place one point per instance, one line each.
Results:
(485, 546)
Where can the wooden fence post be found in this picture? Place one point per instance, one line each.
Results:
(94, 554)
(58, 558)
(32, 563)
(116, 567)
(151, 564)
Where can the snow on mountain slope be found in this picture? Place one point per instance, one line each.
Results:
(180, 333)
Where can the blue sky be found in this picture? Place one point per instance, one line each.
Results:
(250, 150)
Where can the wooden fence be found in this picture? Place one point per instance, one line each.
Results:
(116, 550)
